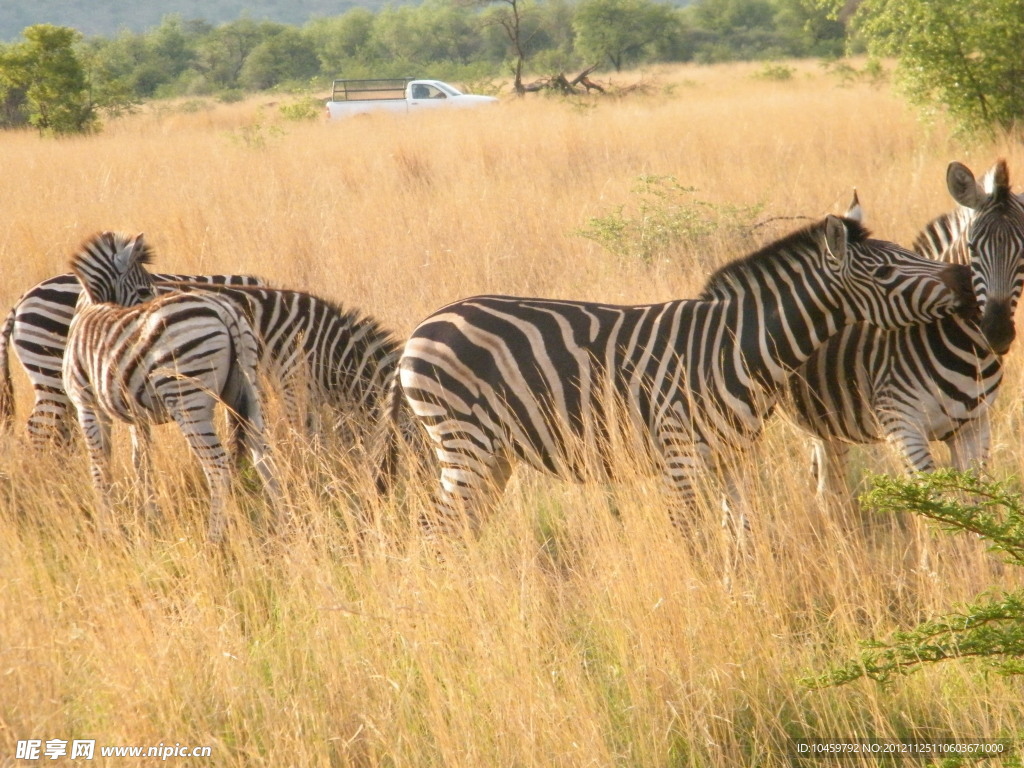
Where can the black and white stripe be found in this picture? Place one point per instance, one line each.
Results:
(169, 358)
(318, 354)
(944, 237)
(933, 382)
(37, 327)
(496, 379)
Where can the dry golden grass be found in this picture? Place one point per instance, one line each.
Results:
(577, 630)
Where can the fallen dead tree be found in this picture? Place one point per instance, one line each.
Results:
(562, 84)
(582, 84)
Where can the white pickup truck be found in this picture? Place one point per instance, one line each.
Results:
(355, 97)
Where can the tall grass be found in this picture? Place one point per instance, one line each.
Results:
(577, 629)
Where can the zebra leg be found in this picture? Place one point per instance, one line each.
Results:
(828, 467)
(735, 504)
(196, 425)
(969, 445)
(236, 439)
(96, 431)
(912, 442)
(683, 464)
(141, 459)
(253, 432)
(245, 414)
(51, 420)
(469, 484)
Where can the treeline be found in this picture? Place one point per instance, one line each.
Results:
(105, 17)
(450, 39)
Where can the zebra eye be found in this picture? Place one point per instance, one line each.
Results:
(884, 272)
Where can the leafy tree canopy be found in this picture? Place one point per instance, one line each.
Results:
(962, 54)
(43, 82)
(622, 30)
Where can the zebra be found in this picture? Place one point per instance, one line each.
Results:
(931, 382)
(496, 379)
(315, 351)
(38, 327)
(144, 360)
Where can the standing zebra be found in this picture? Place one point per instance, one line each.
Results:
(934, 381)
(38, 327)
(494, 379)
(172, 357)
(318, 353)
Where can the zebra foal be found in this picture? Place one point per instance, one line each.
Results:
(37, 328)
(496, 379)
(931, 382)
(144, 360)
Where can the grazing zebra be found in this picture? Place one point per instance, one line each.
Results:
(934, 381)
(38, 327)
(172, 357)
(494, 379)
(316, 352)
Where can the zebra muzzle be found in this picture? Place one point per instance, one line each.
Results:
(997, 325)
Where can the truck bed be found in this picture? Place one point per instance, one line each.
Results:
(370, 90)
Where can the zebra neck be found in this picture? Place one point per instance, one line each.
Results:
(775, 335)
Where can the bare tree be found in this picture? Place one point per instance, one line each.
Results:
(510, 19)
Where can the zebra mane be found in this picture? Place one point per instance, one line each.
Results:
(103, 246)
(375, 329)
(802, 240)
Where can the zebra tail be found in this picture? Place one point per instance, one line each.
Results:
(240, 393)
(6, 387)
(393, 410)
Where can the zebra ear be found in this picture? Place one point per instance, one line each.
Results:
(855, 211)
(963, 186)
(997, 180)
(835, 241)
(132, 254)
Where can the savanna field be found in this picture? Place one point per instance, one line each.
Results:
(578, 629)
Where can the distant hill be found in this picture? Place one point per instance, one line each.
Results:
(106, 17)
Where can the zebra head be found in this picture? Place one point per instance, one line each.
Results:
(994, 247)
(887, 285)
(111, 268)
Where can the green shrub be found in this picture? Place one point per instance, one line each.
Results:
(663, 217)
(303, 108)
(778, 72)
(988, 631)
